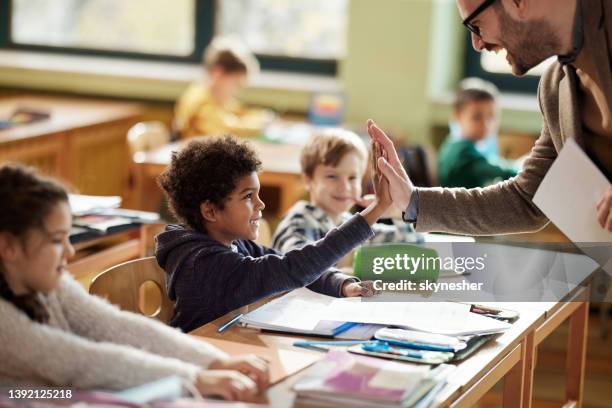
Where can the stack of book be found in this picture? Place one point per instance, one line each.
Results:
(345, 379)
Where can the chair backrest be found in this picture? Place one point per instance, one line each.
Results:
(416, 164)
(132, 285)
(144, 136)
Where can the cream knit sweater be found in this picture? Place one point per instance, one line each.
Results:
(90, 344)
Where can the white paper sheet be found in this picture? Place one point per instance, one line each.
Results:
(302, 309)
(568, 196)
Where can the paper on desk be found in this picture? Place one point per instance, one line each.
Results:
(283, 361)
(84, 204)
(568, 196)
(302, 309)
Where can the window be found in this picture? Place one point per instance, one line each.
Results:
(494, 67)
(307, 29)
(106, 25)
(305, 36)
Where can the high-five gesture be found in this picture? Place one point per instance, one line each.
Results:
(400, 186)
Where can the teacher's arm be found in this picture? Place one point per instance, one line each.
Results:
(503, 208)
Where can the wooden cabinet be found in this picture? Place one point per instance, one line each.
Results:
(83, 142)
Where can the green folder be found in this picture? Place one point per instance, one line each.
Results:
(409, 262)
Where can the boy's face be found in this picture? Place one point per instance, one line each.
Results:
(477, 119)
(334, 189)
(239, 218)
(227, 85)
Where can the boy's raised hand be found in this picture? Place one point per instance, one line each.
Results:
(400, 185)
(381, 184)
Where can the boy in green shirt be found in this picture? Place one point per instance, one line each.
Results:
(460, 163)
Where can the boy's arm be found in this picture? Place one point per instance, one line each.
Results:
(246, 279)
(330, 282)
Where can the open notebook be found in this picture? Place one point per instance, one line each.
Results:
(302, 310)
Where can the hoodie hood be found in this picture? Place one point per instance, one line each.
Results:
(179, 245)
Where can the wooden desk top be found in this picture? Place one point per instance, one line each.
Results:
(275, 157)
(66, 114)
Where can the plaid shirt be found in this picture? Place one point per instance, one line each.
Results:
(304, 223)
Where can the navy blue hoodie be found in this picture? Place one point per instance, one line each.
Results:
(207, 279)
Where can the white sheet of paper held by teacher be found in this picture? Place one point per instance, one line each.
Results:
(568, 196)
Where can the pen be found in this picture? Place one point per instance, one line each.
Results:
(314, 344)
(230, 323)
(343, 328)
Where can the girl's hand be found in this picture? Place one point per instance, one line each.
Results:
(254, 367)
(227, 384)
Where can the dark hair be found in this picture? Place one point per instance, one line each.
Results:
(231, 56)
(470, 95)
(26, 198)
(207, 169)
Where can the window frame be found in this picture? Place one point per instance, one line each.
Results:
(205, 16)
(505, 82)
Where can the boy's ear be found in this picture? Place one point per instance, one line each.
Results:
(307, 180)
(208, 211)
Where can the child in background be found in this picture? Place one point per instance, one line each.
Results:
(212, 263)
(333, 164)
(460, 161)
(53, 333)
(210, 107)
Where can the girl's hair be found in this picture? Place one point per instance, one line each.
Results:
(26, 198)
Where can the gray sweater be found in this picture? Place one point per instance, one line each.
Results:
(207, 279)
(90, 344)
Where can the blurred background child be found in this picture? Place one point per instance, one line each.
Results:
(468, 157)
(210, 107)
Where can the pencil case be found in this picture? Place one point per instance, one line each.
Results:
(396, 262)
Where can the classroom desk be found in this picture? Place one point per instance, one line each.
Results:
(83, 142)
(510, 356)
(280, 169)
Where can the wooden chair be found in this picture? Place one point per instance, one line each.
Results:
(133, 285)
(145, 136)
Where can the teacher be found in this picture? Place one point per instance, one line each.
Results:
(575, 96)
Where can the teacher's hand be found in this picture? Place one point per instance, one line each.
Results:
(400, 186)
(604, 210)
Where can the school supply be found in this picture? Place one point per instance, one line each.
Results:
(229, 324)
(325, 345)
(297, 312)
(87, 204)
(420, 340)
(494, 313)
(345, 379)
(301, 311)
(383, 349)
(572, 206)
(285, 360)
(396, 262)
